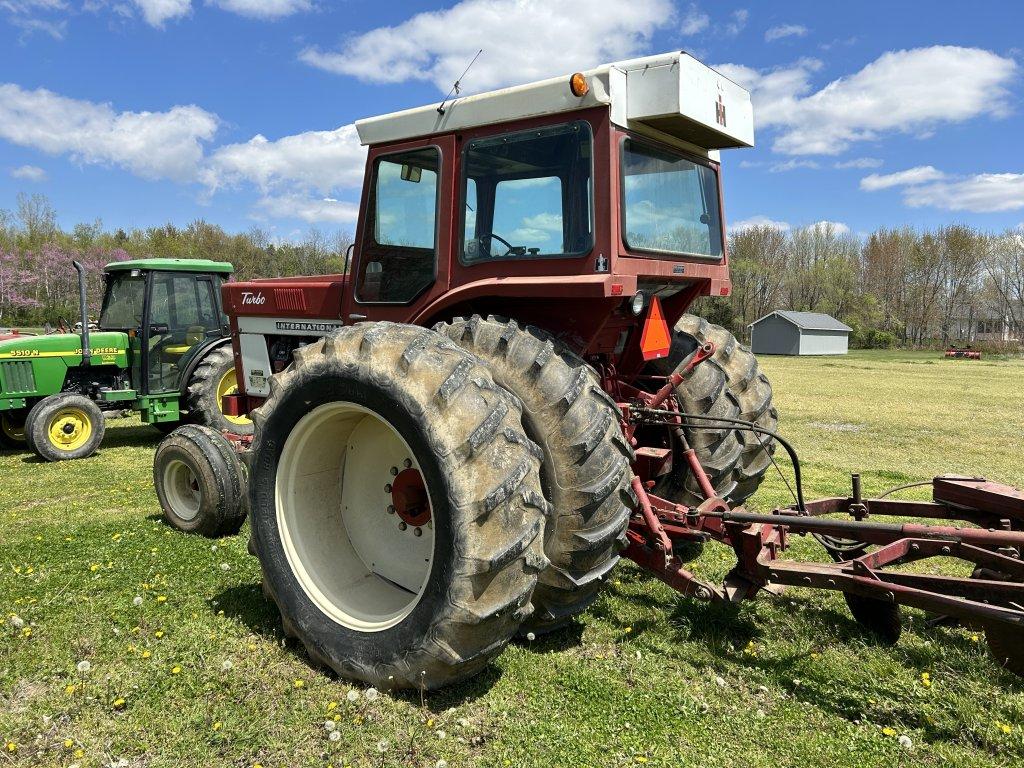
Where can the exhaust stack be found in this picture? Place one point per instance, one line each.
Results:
(84, 311)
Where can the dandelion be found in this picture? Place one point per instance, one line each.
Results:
(641, 759)
(329, 725)
(905, 741)
(16, 621)
(382, 746)
(1004, 728)
(27, 632)
(441, 764)
(332, 706)
(175, 670)
(225, 567)
(161, 598)
(137, 601)
(530, 636)
(69, 689)
(68, 743)
(226, 665)
(334, 736)
(441, 735)
(158, 634)
(218, 725)
(352, 696)
(888, 731)
(371, 694)
(94, 567)
(146, 654)
(116, 537)
(12, 747)
(83, 666)
(251, 646)
(299, 683)
(79, 753)
(118, 703)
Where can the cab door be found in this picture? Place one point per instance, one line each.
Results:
(404, 237)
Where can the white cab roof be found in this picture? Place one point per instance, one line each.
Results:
(671, 94)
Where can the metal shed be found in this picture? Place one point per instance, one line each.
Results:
(799, 333)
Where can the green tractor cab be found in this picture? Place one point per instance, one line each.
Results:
(161, 348)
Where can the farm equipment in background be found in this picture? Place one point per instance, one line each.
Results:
(964, 353)
(455, 441)
(160, 347)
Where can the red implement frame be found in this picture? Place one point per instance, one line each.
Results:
(992, 539)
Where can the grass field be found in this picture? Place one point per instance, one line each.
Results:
(184, 664)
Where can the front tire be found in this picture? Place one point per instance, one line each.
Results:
(213, 378)
(586, 469)
(199, 482)
(374, 433)
(64, 427)
(12, 430)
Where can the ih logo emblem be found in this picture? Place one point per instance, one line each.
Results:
(720, 111)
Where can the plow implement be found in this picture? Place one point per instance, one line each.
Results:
(878, 565)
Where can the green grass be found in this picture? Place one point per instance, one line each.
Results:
(645, 677)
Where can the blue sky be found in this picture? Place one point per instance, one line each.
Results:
(238, 111)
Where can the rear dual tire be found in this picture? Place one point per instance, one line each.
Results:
(325, 530)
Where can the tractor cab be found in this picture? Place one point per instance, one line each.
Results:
(170, 310)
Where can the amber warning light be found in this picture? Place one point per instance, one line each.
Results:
(656, 340)
(578, 85)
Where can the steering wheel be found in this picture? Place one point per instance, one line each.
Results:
(501, 240)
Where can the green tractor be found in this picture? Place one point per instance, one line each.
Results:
(161, 347)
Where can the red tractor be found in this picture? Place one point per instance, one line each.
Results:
(457, 439)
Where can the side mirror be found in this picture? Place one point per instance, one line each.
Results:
(411, 173)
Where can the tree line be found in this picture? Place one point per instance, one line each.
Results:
(894, 287)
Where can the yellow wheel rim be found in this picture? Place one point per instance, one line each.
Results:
(13, 432)
(229, 386)
(70, 429)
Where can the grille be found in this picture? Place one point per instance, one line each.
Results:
(290, 298)
(16, 378)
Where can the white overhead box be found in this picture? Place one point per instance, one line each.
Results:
(672, 93)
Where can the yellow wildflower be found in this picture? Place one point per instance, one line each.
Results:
(146, 654)
(888, 731)
(218, 725)
(299, 683)
(69, 689)
(27, 631)
(94, 567)
(1004, 727)
(68, 743)
(79, 753)
(12, 747)
(158, 634)
(175, 670)
(161, 598)
(118, 703)
(332, 706)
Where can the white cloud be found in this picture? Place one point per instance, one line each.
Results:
(523, 40)
(900, 92)
(309, 209)
(739, 21)
(312, 161)
(793, 164)
(149, 144)
(31, 16)
(694, 21)
(918, 175)
(785, 30)
(156, 12)
(859, 162)
(29, 173)
(263, 9)
(926, 186)
(759, 221)
(837, 227)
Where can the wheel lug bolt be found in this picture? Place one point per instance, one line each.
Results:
(407, 463)
(402, 526)
(394, 471)
(387, 488)
(417, 531)
(391, 509)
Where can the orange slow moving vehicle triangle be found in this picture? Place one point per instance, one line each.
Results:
(656, 339)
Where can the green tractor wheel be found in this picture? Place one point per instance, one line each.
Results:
(12, 430)
(63, 427)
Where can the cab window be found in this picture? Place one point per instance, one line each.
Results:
(122, 301)
(528, 194)
(399, 247)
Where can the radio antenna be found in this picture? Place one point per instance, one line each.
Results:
(457, 86)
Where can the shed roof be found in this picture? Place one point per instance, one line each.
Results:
(808, 321)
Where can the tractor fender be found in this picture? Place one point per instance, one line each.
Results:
(195, 358)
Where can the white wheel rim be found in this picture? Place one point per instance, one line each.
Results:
(181, 488)
(357, 561)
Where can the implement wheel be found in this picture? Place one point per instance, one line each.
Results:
(396, 506)
(729, 384)
(63, 427)
(879, 617)
(1006, 643)
(585, 472)
(213, 378)
(199, 482)
(12, 430)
